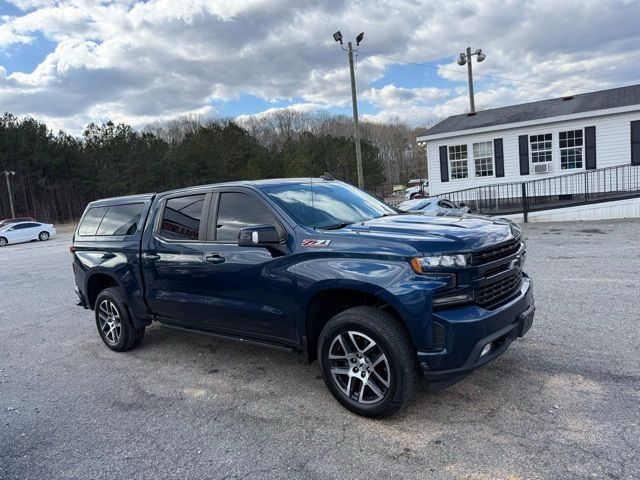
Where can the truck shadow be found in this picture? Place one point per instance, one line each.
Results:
(237, 368)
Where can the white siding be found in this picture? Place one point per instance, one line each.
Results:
(613, 147)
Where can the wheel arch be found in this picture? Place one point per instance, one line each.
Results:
(96, 283)
(328, 302)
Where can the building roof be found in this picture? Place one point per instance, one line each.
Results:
(556, 107)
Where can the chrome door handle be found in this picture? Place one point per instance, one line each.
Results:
(214, 258)
(152, 257)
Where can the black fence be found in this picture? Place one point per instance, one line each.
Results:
(589, 186)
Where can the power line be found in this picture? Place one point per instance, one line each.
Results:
(437, 67)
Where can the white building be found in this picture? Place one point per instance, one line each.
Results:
(534, 140)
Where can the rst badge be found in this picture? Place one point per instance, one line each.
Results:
(308, 242)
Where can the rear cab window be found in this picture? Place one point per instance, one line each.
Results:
(182, 218)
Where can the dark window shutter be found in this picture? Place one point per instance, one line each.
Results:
(635, 142)
(523, 143)
(590, 148)
(444, 164)
(498, 154)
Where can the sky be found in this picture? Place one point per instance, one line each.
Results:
(72, 62)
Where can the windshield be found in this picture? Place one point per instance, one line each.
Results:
(326, 205)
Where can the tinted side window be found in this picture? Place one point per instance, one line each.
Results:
(91, 221)
(238, 210)
(181, 218)
(121, 219)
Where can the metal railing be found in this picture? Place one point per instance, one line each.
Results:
(589, 186)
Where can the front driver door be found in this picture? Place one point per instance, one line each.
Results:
(20, 232)
(249, 289)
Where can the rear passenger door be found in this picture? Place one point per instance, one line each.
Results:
(173, 259)
(249, 289)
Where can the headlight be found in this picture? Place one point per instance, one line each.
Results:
(422, 264)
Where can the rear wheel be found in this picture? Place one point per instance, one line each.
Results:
(43, 236)
(3, 242)
(114, 323)
(367, 362)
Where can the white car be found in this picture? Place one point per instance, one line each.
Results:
(418, 189)
(25, 232)
(440, 206)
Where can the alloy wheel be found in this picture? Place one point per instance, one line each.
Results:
(44, 236)
(3, 242)
(359, 367)
(109, 320)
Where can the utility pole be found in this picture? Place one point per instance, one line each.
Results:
(6, 174)
(465, 58)
(338, 38)
(354, 99)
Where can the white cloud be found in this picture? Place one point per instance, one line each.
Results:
(138, 62)
(391, 96)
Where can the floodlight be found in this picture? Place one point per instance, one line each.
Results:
(338, 37)
(359, 38)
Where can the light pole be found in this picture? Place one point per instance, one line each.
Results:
(465, 58)
(338, 38)
(6, 174)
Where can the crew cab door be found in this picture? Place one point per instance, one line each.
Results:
(173, 259)
(249, 289)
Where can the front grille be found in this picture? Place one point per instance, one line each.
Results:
(495, 253)
(498, 290)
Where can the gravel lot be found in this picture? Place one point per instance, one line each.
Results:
(563, 402)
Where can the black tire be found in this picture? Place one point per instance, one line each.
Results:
(118, 335)
(3, 242)
(43, 236)
(390, 339)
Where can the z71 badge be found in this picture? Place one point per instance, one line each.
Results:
(307, 242)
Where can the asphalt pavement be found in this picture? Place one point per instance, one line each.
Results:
(562, 403)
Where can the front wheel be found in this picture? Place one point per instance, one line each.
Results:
(367, 362)
(43, 236)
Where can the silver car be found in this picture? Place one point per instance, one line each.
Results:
(437, 206)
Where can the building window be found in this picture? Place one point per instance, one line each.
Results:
(458, 161)
(571, 143)
(483, 158)
(541, 148)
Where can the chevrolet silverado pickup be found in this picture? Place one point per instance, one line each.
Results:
(379, 297)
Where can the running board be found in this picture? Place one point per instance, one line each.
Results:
(223, 336)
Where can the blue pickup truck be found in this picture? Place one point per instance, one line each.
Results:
(379, 297)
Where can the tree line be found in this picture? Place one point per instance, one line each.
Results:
(57, 174)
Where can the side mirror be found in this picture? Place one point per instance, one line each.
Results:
(258, 236)
(462, 204)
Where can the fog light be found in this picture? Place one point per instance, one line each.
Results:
(486, 349)
(452, 299)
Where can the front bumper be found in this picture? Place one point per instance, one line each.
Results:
(470, 329)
